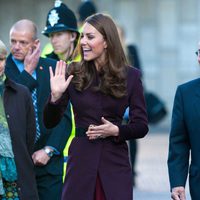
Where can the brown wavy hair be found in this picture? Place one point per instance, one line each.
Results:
(113, 73)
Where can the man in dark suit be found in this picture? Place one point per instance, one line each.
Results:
(184, 141)
(24, 65)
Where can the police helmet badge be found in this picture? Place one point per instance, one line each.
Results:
(57, 3)
(53, 18)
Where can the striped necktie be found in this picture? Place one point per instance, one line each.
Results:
(20, 66)
(34, 97)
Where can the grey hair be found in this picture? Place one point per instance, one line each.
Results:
(3, 49)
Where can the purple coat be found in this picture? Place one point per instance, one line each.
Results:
(108, 157)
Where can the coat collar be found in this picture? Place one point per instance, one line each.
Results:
(198, 88)
(196, 99)
(10, 61)
(10, 84)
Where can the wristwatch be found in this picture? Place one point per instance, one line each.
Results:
(48, 151)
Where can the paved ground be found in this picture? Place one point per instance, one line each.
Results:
(152, 178)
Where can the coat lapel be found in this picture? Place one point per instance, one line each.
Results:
(197, 100)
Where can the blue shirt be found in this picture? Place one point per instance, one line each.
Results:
(20, 66)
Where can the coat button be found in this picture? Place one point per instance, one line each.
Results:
(8, 116)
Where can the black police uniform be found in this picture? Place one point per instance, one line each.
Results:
(59, 18)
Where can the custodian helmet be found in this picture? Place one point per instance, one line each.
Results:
(60, 18)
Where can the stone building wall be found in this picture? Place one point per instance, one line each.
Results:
(166, 33)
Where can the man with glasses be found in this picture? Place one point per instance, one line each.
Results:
(184, 148)
(24, 65)
(198, 54)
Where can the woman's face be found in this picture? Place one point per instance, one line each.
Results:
(93, 44)
(2, 63)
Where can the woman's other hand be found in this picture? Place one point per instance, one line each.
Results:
(104, 130)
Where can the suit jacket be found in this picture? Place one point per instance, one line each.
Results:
(185, 137)
(55, 137)
(21, 121)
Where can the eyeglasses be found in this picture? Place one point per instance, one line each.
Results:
(197, 52)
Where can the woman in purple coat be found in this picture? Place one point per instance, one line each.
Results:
(100, 89)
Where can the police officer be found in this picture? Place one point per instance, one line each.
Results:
(61, 28)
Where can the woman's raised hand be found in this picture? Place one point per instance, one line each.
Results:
(57, 81)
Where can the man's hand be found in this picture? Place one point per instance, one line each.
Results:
(40, 157)
(178, 193)
(32, 58)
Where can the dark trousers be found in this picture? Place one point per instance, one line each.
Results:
(49, 187)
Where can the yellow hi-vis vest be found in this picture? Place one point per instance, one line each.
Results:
(47, 50)
(72, 135)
